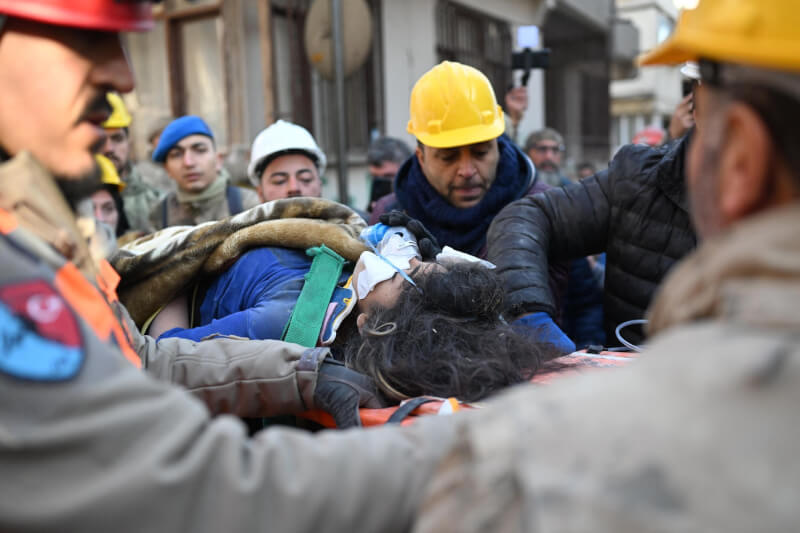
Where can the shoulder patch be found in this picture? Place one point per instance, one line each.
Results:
(40, 338)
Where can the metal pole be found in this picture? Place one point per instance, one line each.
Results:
(341, 125)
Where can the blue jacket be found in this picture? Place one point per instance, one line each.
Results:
(254, 298)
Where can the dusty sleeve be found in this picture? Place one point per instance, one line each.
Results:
(248, 378)
(115, 450)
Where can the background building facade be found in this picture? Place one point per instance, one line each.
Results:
(650, 97)
(242, 64)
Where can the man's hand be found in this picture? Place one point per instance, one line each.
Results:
(516, 103)
(428, 245)
(540, 327)
(341, 391)
(682, 119)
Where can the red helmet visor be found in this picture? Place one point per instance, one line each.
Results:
(103, 15)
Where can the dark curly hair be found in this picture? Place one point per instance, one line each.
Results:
(446, 340)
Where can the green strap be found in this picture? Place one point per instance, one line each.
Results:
(309, 311)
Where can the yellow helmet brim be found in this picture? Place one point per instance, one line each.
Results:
(670, 52)
(463, 136)
(760, 34)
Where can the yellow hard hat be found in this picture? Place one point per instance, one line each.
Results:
(454, 105)
(757, 33)
(109, 174)
(120, 118)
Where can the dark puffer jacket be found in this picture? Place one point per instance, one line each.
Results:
(636, 211)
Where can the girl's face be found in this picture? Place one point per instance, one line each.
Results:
(385, 293)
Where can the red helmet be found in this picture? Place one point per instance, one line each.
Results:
(104, 15)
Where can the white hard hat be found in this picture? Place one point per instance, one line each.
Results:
(283, 137)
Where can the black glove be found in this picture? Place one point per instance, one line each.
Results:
(428, 245)
(341, 391)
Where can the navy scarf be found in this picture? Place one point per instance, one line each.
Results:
(464, 229)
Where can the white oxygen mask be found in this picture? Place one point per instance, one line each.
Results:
(392, 251)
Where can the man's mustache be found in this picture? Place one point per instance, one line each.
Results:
(470, 184)
(98, 106)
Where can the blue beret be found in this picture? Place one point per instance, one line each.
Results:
(178, 129)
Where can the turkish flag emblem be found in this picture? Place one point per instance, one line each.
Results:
(44, 309)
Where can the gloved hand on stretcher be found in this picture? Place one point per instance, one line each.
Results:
(341, 392)
(539, 326)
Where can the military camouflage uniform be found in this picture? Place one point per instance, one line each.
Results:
(154, 175)
(138, 199)
(183, 209)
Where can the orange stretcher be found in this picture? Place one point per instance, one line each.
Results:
(408, 411)
(404, 413)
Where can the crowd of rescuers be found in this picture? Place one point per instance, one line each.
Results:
(455, 186)
(100, 422)
(287, 162)
(413, 325)
(457, 198)
(571, 297)
(201, 187)
(457, 181)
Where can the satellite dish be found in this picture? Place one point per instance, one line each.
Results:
(357, 31)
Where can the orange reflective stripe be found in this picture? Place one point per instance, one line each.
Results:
(108, 280)
(123, 335)
(84, 298)
(90, 305)
(7, 222)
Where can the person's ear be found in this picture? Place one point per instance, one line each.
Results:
(361, 319)
(744, 172)
(219, 161)
(260, 192)
(420, 153)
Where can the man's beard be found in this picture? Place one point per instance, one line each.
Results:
(550, 177)
(117, 163)
(76, 188)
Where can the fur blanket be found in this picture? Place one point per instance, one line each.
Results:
(155, 268)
